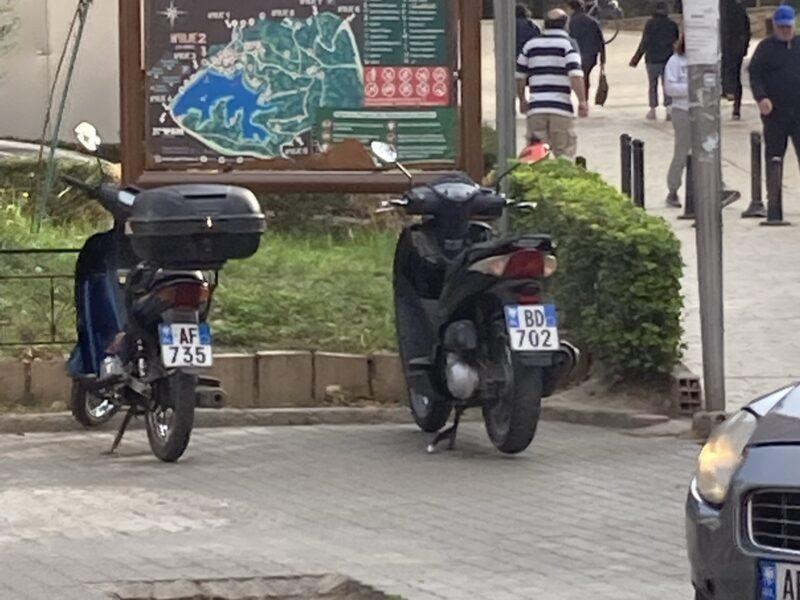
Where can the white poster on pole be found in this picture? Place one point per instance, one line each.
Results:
(701, 18)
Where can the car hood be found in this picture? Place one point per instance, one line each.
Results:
(779, 417)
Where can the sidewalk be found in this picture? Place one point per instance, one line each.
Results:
(761, 271)
(365, 502)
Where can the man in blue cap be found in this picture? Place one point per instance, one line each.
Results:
(775, 80)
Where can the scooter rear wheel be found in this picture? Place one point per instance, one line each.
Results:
(89, 410)
(512, 418)
(170, 419)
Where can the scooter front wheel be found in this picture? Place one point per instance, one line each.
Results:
(170, 417)
(512, 417)
(430, 414)
(89, 410)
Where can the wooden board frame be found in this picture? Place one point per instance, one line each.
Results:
(132, 124)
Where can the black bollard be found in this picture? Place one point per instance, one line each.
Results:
(688, 205)
(581, 162)
(775, 193)
(625, 161)
(638, 173)
(756, 210)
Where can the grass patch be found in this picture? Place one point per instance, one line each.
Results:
(309, 292)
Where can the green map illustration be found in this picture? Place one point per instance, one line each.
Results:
(258, 95)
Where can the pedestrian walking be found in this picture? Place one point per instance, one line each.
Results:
(526, 28)
(676, 85)
(775, 80)
(658, 41)
(592, 45)
(550, 67)
(736, 34)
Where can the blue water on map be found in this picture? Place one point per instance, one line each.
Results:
(204, 93)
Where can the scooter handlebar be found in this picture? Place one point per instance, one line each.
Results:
(80, 184)
(106, 194)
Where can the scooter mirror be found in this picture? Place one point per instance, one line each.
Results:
(385, 153)
(87, 137)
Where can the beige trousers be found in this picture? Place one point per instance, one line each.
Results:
(556, 130)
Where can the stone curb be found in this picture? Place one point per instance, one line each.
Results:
(279, 417)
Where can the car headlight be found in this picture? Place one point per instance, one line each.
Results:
(722, 455)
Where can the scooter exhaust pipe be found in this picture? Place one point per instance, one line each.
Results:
(573, 356)
(462, 378)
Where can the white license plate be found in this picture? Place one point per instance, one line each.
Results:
(779, 581)
(532, 328)
(186, 345)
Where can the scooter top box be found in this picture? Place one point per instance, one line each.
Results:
(196, 226)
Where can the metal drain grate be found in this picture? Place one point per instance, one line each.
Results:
(310, 587)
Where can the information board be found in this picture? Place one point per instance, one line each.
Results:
(251, 81)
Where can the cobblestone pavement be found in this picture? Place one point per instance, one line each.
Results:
(586, 513)
(761, 269)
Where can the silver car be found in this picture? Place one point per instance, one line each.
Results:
(743, 510)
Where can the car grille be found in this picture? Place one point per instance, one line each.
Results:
(775, 520)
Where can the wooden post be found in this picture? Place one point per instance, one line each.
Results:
(132, 98)
(471, 54)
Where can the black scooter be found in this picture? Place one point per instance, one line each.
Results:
(143, 296)
(474, 326)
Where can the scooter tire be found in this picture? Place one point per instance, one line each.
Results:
(512, 419)
(80, 398)
(175, 393)
(431, 418)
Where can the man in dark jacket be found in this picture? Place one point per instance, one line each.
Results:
(586, 31)
(526, 28)
(658, 42)
(775, 79)
(736, 35)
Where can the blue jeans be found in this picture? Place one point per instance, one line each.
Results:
(655, 71)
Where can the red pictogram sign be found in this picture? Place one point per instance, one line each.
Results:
(408, 86)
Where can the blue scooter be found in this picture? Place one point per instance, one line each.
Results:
(142, 297)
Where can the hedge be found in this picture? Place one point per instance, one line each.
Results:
(618, 286)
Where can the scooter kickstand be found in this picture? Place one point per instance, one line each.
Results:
(447, 434)
(125, 422)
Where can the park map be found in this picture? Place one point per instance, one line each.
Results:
(287, 78)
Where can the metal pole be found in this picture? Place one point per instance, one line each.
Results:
(756, 208)
(505, 50)
(638, 173)
(702, 24)
(775, 193)
(625, 162)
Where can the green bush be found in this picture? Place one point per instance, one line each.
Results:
(618, 286)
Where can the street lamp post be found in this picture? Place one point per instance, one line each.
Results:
(702, 29)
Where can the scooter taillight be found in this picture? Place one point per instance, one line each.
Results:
(185, 294)
(525, 264)
(521, 264)
(530, 264)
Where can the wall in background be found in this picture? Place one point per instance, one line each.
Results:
(27, 68)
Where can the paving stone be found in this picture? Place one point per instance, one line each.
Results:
(349, 372)
(238, 375)
(285, 379)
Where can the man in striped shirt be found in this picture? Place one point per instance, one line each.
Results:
(550, 66)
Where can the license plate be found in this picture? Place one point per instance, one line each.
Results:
(779, 581)
(186, 345)
(533, 328)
